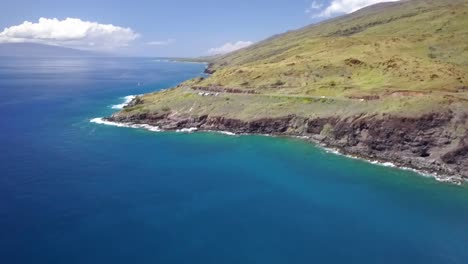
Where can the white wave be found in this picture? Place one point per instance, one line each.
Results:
(332, 151)
(374, 162)
(127, 99)
(227, 133)
(102, 121)
(187, 130)
(388, 164)
(440, 178)
(385, 164)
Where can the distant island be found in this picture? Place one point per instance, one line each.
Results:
(387, 83)
(42, 50)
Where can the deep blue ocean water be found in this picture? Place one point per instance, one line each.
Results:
(72, 191)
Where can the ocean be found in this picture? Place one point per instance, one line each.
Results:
(73, 191)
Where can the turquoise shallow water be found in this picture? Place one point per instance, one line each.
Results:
(72, 191)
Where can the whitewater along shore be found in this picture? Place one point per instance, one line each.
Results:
(386, 83)
(428, 144)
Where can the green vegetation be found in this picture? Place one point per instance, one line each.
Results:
(403, 58)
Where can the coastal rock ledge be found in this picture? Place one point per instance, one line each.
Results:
(436, 143)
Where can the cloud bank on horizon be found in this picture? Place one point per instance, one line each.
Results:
(88, 35)
(70, 32)
(340, 7)
(229, 47)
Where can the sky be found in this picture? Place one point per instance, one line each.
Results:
(176, 28)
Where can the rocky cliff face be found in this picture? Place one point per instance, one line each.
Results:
(435, 143)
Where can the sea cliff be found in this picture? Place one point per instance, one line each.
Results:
(428, 143)
(386, 83)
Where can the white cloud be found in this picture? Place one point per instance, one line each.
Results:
(314, 6)
(161, 42)
(230, 47)
(338, 7)
(70, 32)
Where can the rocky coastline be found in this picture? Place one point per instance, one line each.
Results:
(384, 84)
(428, 144)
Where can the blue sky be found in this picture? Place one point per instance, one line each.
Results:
(163, 28)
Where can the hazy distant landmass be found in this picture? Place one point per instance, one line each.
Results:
(41, 50)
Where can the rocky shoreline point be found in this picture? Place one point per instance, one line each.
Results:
(429, 144)
(386, 83)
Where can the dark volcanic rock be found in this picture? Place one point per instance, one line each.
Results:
(423, 143)
(136, 101)
(209, 69)
(458, 155)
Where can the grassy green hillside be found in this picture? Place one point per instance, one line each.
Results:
(404, 58)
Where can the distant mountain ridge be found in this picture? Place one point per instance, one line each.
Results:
(41, 50)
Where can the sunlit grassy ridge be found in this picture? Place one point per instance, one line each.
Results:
(404, 58)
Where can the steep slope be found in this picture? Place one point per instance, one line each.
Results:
(388, 82)
(421, 44)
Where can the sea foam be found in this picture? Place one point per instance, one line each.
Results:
(127, 99)
(102, 121)
(227, 133)
(187, 130)
(440, 178)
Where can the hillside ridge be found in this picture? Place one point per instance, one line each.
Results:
(388, 82)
